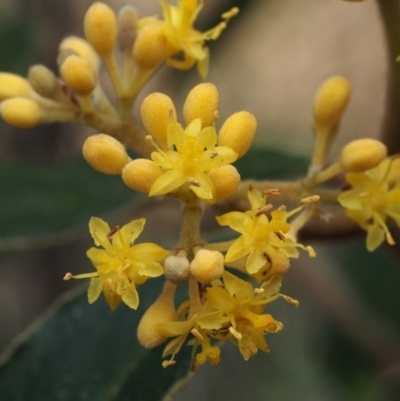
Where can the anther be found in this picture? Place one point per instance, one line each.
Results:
(263, 209)
(67, 276)
(112, 232)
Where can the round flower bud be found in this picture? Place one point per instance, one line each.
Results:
(141, 174)
(330, 102)
(238, 132)
(82, 48)
(105, 154)
(150, 47)
(12, 85)
(362, 154)
(127, 18)
(202, 101)
(157, 111)
(79, 75)
(225, 180)
(162, 311)
(100, 26)
(176, 269)
(21, 112)
(43, 81)
(207, 265)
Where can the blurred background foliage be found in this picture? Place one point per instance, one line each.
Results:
(341, 343)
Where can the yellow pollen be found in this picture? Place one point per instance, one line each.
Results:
(263, 210)
(291, 301)
(311, 199)
(149, 141)
(192, 181)
(272, 191)
(311, 251)
(67, 276)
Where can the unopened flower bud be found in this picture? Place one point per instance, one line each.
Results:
(158, 111)
(127, 18)
(43, 81)
(21, 112)
(100, 26)
(330, 102)
(207, 265)
(225, 180)
(238, 132)
(141, 174)
(79, 75)
(80, 47)
(176, 269)
(201, 102)
(150, 47)
(162, 311)
(105, 154)
(12, 85)
(362, 154)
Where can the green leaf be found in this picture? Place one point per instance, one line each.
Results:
(86, 352)
(45, 204)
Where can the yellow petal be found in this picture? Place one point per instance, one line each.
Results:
(129, 294)
(98, 230)
(240, 248)
(241, 289)
(206, 189)
(375, 236)
(238, 221)
(149, 250)
(256, 199)
(126, 235)
(255, 261)
(95, 288)
(168, 182)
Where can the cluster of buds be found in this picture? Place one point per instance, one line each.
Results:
(194, 158)
(76, 95)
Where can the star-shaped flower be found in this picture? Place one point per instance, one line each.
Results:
(120, 265)
(261, 238)
(374, 197)
(177, 26)
(191, 157)
(243, 306)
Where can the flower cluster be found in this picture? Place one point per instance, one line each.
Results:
(192, 162)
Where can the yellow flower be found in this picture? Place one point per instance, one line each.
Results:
(120, 265)
(375, 196)
(262, 239)
(177, 27)
(200, 325)
(243, 307)
(192, 154)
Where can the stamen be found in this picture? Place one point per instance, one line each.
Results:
(235, 333)
(112, 232)
(263, 210)
(171, 362)
(149, 141)
(258, 290)
(197, 334)
(67, 276)
(311, 199)
(390, 239)
(272, 191)
(311, 251)
(291, 301)
(280, 235)
(213, 155)
(192, 181)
